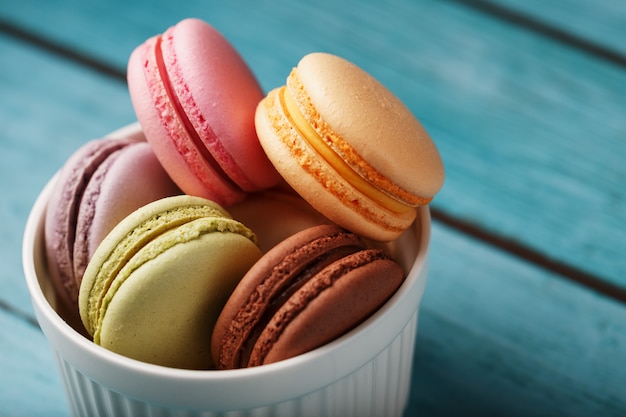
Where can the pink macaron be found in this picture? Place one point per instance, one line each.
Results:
(99, 185)
(195, 99)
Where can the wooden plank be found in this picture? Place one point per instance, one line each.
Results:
(495, 335)
(498, 337)
(49, 107)
(531, 131)
(28, 377)
(602, 24)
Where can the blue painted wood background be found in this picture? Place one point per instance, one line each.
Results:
(526, 99)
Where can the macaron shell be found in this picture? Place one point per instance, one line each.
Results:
(221, 90)
(327, 309)
(276, 215)
(372, 121)
(165, 311)
(62, 211)
(317, 182)
(122, 184)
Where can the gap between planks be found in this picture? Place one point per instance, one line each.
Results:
(531, 255)
(8, 308)
(537, 26)
(16, 32)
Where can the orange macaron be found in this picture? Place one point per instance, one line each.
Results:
(349, 147)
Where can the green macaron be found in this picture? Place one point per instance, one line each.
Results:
(157, 283)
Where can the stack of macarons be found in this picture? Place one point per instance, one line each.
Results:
(239, 228)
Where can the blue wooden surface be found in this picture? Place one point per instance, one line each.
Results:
(483, 87)
(523, 313)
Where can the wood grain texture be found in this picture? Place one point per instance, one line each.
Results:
(29, 383)
(532, 134)
(531, 131)
(498, 337)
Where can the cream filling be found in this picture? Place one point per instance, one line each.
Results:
(293, 113)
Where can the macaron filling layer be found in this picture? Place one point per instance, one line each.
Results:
(345, 150)
(290, 287)
(198, 143)
(293, 113)
(128, 246)
(316, 284)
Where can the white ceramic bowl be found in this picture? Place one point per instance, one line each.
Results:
(367, 372)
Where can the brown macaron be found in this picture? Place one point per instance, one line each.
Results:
(308, 290)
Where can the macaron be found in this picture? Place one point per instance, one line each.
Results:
(349, 146)
(276, 214)
(158, 281)
(195, 99)
(308, 290)
(99, 185)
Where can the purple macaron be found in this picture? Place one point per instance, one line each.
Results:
(99, 185)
